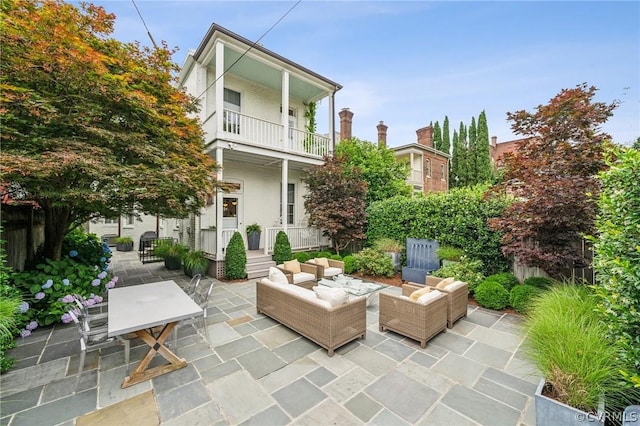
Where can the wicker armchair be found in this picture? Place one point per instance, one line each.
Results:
(336, 267)
(457, 299)
(412, 319)
(306, 272)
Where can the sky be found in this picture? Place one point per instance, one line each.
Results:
(411, 63)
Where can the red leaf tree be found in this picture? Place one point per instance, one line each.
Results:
(553, 174)
(92, 126)
(336, 201)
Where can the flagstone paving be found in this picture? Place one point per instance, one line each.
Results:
(258, 372)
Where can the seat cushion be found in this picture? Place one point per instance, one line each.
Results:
(292, 265)
(426, 298)
(442, 284)
(301, 277)
(416, 294)
(277, 276)
(335, 296)
(454, 285)
(331, 271)
(322, 261)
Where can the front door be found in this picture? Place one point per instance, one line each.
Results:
(230, 209)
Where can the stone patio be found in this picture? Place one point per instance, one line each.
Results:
(261, 373)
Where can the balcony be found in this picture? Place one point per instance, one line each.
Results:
(247, 130)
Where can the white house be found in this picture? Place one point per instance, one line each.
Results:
(254, 111)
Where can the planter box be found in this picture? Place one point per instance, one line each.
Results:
(550, 412)
(253, 241)
(124, 246)
(172, 262)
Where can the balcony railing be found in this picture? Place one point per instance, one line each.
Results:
(244, 128)
(300, 238)
(208, 239)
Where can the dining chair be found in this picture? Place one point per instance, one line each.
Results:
(96, 315)
(95, 339)
(193, 284)
(201, 297)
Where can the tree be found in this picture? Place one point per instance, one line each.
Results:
(483, 157)
(437, 136)
(463, 167)
(555, 169)
(385, 175)
(446, 142)
(92, 126)
(455, 162)
(472, 154)
(336, 201)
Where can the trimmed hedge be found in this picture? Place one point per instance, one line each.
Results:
(235, 258)
(492, 295)
(282, 248)
(505, 279)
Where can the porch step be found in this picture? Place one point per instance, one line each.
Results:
(258, 264)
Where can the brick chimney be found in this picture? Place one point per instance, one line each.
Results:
(425, 136)
(494, 141)
(382, 134)
(346, 118)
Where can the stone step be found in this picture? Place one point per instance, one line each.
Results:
(257, 274)
(261, 266)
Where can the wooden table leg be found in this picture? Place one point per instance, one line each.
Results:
(156, 346)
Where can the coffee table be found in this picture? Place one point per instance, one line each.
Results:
(354, 286)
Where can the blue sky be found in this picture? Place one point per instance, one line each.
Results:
(412, 63)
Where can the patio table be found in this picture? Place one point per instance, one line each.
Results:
(139, 309)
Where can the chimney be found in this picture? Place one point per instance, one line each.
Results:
(425, 136)
(382, 134)
(494, 141)
(346, 118)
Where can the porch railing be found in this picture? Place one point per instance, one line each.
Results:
(208, 239)
(300, 238)
(243, 128)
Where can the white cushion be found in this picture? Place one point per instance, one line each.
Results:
(302, 277)
(331, 271)
(426, 298)
(307, 295)
(276, 275)
(335, 296)
(454, 285)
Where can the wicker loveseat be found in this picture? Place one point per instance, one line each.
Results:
(327, 267)
(457, 299)
(297, 272)
(299, 309)
(418, 321)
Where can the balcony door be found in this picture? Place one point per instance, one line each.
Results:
(231, 117)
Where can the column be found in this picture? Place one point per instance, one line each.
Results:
(219, 195)
(284, 117)
(219, 88)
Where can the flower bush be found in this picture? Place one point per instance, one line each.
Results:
(87, 249)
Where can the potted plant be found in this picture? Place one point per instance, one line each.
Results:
(391, 248)
(171, 252)
(449, 254)
(253, 236)
(124, 243)
(567, 342)
(195, 262)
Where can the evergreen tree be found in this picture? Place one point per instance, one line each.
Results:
(437, 136)
(454, 175)
(472, 154)
(446, 142)
(463, 166)
(483, 157)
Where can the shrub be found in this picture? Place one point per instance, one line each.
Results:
(492, 295)
(349, 264)
(10, 302)
(335, 257)
(540, 282)
(505, 279)
(450, 253)
(373, 262)
(235, 258)
(387, 245)
(282, 248)
(466, 270)
(520, 297)
(86, 249)
(566, 339)
(324, 253)
(302, 256)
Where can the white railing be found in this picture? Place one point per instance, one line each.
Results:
(309, 143)
(300, 238)
(208, 239)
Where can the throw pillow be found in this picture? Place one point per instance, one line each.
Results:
(277, 276)
(416, 294)
(426, 298)
(442, 284)
(322, 261)
(454, 285)
(335, 296)
(292, 265)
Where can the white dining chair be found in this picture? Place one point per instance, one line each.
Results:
(201, 297)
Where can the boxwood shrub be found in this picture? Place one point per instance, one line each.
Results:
(282, 248)
(373, 262)
(235, 258)
(492, 295)
(521, 296)
(349, 264)
(505, 279)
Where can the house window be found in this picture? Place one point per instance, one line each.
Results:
(442, 171)
(231, 115)
(110, 221)
(291, 197)
(229, 207)
(427, 168)
(292, 123)
(130, 220)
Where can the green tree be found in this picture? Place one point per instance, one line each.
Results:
(483, 157)
(556, 168)
(472, 154)
(336, 201)
(454, 178)
(636, 144)
(437, 136)
(463, 151)
(446, 141)
(92, 126)
(385, 175)
(235, 258)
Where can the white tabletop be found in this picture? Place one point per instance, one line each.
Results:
(147, 305)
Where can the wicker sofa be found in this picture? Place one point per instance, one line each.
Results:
(418, 321)
(329, 327)
(457, 299)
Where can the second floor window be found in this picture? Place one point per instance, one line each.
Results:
(442, 177)
(427, 168)
(231, 117)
